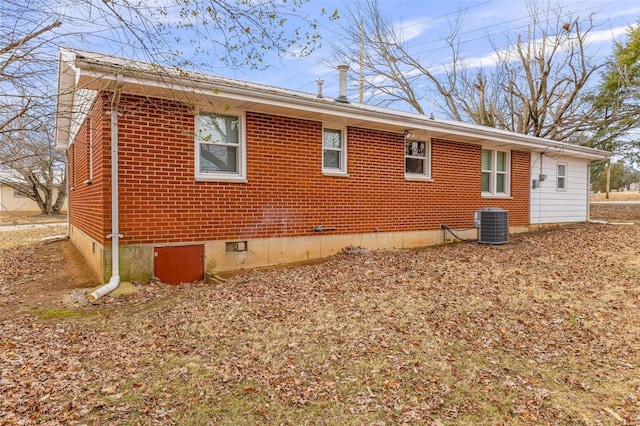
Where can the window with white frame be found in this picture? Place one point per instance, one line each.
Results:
(334, 151)
(561, 177)
(417, 156)
(220, 147)
(495, 172)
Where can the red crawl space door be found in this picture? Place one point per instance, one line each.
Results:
(179, 264)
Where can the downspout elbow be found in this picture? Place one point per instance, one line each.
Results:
(113, 283)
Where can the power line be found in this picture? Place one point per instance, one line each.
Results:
(468, 32)
(430, 19)
(502, 24)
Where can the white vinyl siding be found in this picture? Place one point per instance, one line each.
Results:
(550, 205)
(220, 147)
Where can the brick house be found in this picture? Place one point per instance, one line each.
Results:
(245, 175)
(12, 202)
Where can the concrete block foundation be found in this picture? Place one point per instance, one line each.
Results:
(136, 261)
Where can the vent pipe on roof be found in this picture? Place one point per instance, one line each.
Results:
(342, 98)
(320, 81)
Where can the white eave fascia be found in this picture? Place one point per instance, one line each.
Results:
(399, 119)
(96, 68)
(73, 103)
(64, 106)
(526, 141)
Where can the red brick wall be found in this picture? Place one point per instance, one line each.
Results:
(89, 202)
(286, 193)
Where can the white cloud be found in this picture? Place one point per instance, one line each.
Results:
(607, 35)
(492, 59)
(410, 30)
(489, 60)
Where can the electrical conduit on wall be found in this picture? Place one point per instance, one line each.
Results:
(115, 231)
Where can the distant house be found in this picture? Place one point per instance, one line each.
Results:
(219, 174)
(13, 202)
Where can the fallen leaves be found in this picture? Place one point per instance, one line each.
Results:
(542, 331)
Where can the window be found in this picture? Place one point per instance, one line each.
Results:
(561, 175)
(417, 158)
(220, 147)
(495, 172)
(334, 151)
(18, 194)
(89, 151)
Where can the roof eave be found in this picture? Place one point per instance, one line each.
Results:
(175, 84)
(64, 106)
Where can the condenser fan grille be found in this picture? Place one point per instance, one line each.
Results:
(493, 225)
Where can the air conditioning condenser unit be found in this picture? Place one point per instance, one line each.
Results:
(492, 224)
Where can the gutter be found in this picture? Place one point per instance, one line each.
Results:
(114, 282)
(98, 67)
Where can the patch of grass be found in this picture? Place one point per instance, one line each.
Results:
(57, 313)
(616, 196)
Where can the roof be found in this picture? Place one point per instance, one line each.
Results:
(13, 176)
(82, 74)
(10, 175)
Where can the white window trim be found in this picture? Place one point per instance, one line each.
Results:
(494, 172)
(342, 171)
(426, 176)
(241, 175)
(90, 149)
(566, 172)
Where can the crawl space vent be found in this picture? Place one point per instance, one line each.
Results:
(492, 224)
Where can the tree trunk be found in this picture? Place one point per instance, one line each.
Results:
(62, 195)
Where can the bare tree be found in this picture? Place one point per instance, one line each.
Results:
(211, 32)
(30, 164)
(37, 170)
(196, 33)
(24, 35)
(533, 85)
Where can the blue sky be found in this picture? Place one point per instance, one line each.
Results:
(425, 24)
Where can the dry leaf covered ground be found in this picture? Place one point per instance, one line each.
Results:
(544, 330)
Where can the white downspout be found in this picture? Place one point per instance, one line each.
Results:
(115, 230)
(66, 170)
